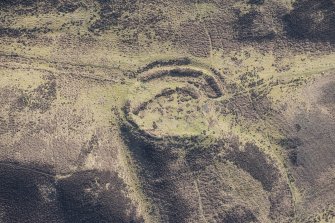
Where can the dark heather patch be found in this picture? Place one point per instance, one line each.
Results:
(160, 63)
(26, 3)
(13, 3)
(111, 12)
(199, 159)
(31, 194)
(312, 163)
(42, 97)
(27, 194)
(316, 152)
(255, 162)
(237, 214)
(173, 207)
(242, 107)
(312, 19)
(290, 143)
(256, 2)
(297, 127)
(282, 205)
(328, 94)
(193, 37)
(22, 102)
(254, 26)
(68, 7)
(11, 32)
(95, 197)
(155, 174)
(293, 157)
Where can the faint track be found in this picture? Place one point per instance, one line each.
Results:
(206, 31)
(201, 209)
(27, 168)
(67, 64)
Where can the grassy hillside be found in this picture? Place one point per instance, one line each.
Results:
(167, 111)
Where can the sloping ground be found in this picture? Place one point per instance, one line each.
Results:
(28, 194)
(310, 145)
(69, 188)
(216, 172)
(313, 19)
(187, 181)
(167, 111)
